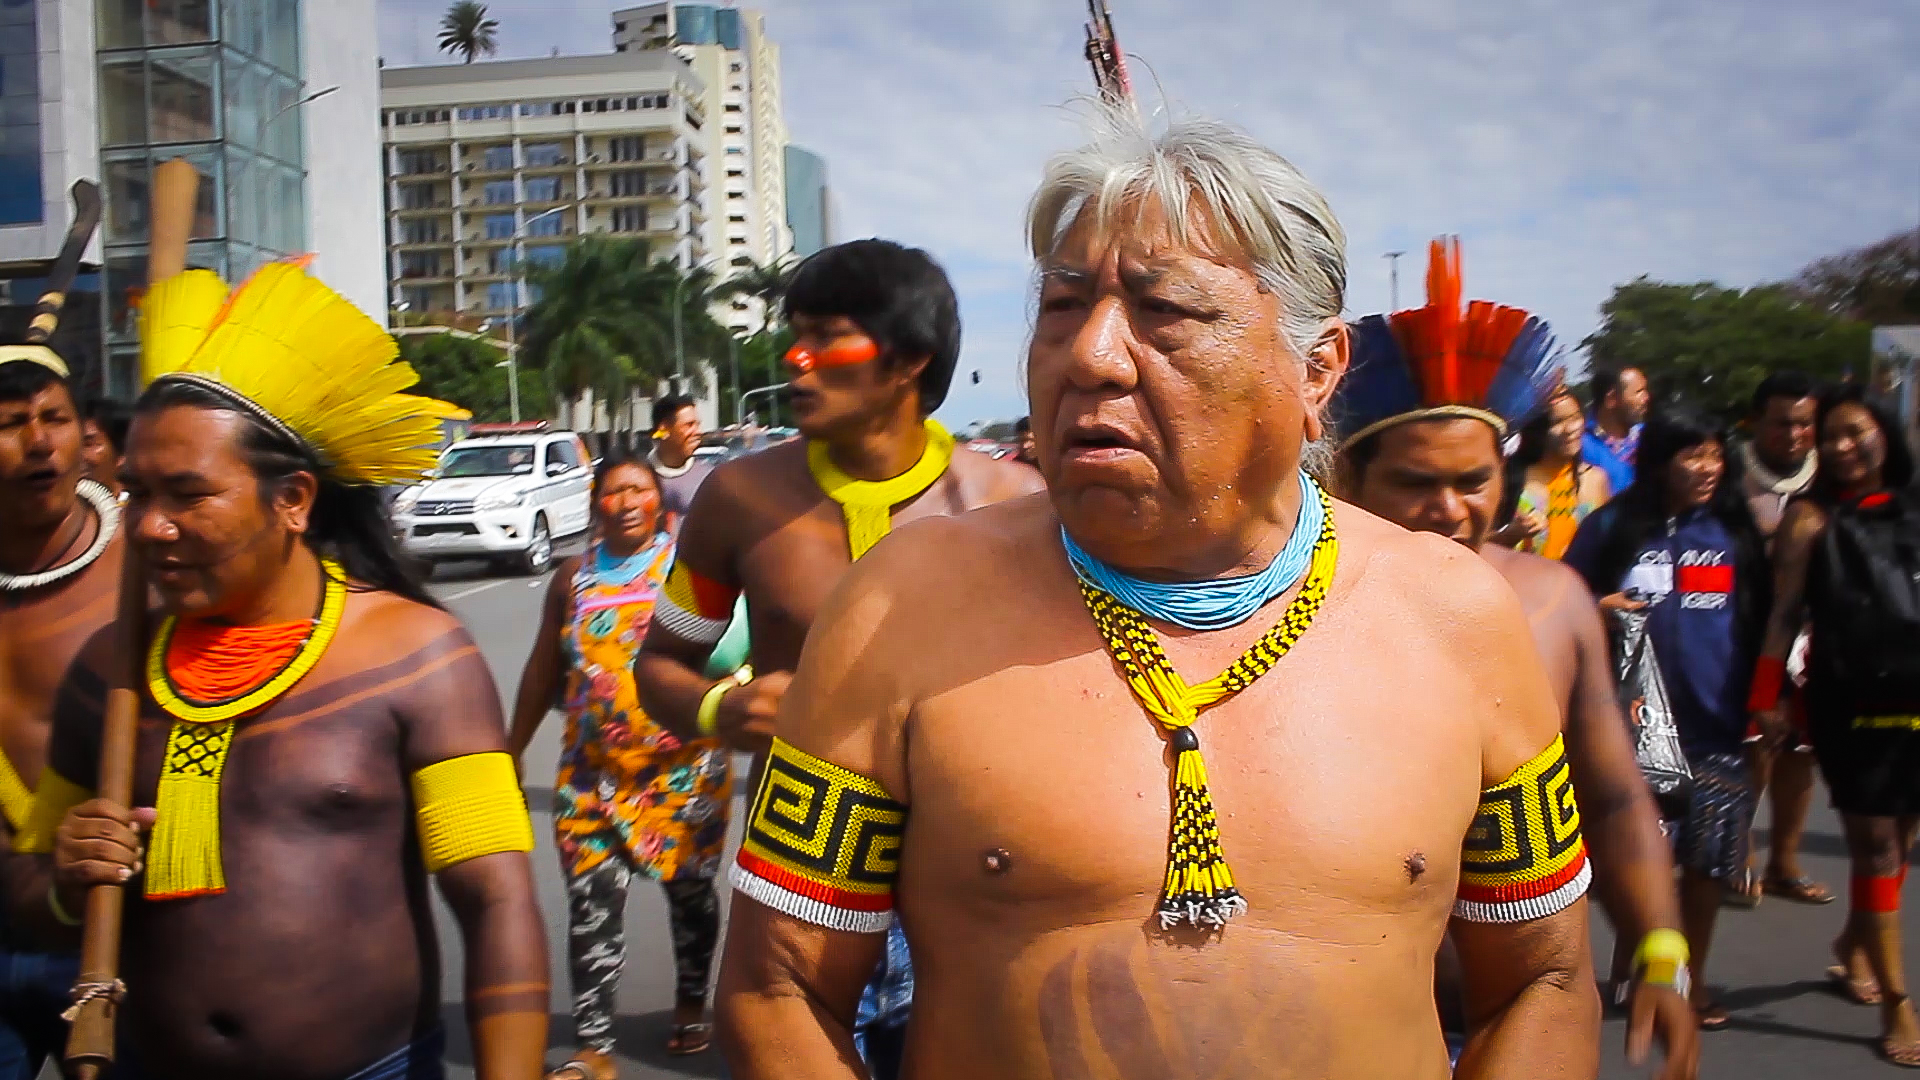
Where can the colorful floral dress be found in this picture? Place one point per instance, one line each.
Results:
(1565, 505)
(626, 782)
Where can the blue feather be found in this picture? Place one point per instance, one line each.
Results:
(1527, 374)
(1379, 382)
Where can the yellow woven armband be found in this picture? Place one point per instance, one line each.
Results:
(16, 799)
(468, 807)
(56, 796)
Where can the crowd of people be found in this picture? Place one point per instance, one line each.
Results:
(1361, 849)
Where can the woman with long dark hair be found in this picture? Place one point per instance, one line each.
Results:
(1681, 544)
(1552, 489)
(631, 798)
(1846, 558)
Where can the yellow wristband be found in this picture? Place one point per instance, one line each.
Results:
(59, 912)
(1662, 957)
(708, 719)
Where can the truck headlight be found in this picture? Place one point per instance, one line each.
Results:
(500, 500)
(403, 502)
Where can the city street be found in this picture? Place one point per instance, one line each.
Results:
(1767, 963)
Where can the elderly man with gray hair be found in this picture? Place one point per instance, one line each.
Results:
(1241, 754)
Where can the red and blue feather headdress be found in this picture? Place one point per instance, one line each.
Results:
(1489, 362)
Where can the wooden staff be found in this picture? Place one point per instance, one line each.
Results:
(86, 218)
(90, 1043)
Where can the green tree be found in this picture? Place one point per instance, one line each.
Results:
(467, 31)
(1709, 346)
(1877, 284)
(761, 360)
(468, 371)
(604, 319)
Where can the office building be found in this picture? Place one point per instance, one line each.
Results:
(246, 91)
(486, 159)
(739, 66)
(807, 213)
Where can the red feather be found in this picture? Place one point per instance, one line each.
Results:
(1454, 355)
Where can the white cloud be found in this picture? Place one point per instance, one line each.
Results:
(1573, 146)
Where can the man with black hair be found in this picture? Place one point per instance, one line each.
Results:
(59, 567)
(876, 337)
(1023, 432)
(676, 435)
(317, 739)
(1778, 465)
(103, 441)
(1620, 402)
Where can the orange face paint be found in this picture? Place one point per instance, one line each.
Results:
(846, 353)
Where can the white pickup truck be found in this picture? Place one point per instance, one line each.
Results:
(504, 498)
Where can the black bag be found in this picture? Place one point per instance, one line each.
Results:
(1863, 588)
(1643, 698)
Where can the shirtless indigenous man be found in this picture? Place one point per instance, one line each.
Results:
(1379, 723)
(877, 334)
(1429, 461)
(60, 555)
(316, 735)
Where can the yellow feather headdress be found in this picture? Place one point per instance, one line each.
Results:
(299, 356)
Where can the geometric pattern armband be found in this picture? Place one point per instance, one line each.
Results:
(822, 844)
(694, 607)
(1524, 857)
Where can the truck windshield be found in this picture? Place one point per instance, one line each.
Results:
(488, 461)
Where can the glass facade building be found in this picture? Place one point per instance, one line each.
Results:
(21, 197)
(807, 201)
(214, 82)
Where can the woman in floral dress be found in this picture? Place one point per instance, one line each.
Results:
(631, 798)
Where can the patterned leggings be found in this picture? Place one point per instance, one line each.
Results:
(597, 944)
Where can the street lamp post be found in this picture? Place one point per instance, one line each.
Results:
(513, 312)
(1393, 279)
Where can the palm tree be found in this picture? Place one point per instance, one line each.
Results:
(467, 31)
(604, 319)
(766, 284)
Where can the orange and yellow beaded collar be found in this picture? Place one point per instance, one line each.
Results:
(206, 677)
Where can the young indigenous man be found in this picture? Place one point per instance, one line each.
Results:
(676, 435)
(1014, 798)
(103, 442)
(1428, 460)
(1778, 465)
(877, 334)
(60, 552)
(1620, 400)
(316, 735)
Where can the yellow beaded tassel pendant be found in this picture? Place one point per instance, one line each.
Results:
(1199, 889)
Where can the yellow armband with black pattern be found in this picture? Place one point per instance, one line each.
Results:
(55, 796)
(467, 807)
(1524, 857)
(822, 844)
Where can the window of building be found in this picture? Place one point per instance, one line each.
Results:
(737, 217)
(416, 196)
(500, 261)
(545, 155)
(627, 183)
(543, 189)
(500, 296)
(629, 219)
(420, 264)
(734, 129)
(546, 256)
(544, 225)
(627, 148)
(417, 162)
(736, 173)
(182, 105)
(499, 226)
(622, 47)
(497, 158)
(733, 106)
(498, 192)
(486, 112)
(742, 260)
(420, 231)
(734, 67)
(417, 298)
(536, 108)
(620, 27)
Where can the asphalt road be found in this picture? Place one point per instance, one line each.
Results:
(1767, 963)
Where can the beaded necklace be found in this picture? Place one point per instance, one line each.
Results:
(1199, 888)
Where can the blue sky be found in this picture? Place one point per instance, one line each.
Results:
(1573, 146)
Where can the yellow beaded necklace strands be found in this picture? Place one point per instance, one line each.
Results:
(1199, 889)
(868, 504)
(183, 859)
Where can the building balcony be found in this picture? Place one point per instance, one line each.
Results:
(562, 167)
(478, 170)
(441, 207)
(423, 245)
(563, 199)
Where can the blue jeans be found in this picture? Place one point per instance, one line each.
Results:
(880, 1024)
(34, 991)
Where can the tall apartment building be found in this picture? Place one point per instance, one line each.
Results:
(485, 158)
(739, 65)
(249, 92)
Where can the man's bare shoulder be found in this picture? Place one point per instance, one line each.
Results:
(984, 480)
(385, 626)
(1440, 582)
(1541, 582)
(744, 483)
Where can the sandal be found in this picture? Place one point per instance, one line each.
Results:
(1712, 1016)
(1859, 991)
(690, 1039)
(1800, 890)
(1905, 1054)
(579, 1070)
